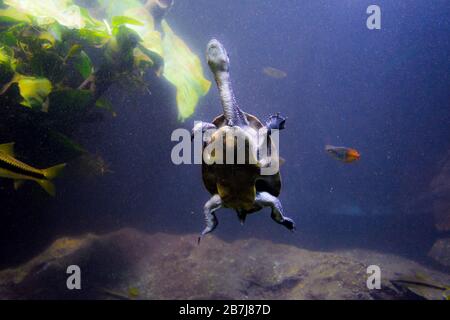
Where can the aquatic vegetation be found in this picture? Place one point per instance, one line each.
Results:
(57, 59)
(178, 59)
(62, 33)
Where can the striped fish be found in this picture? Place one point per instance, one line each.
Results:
(11, 168)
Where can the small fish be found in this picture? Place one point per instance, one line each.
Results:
(342, 153)
(274, 73)
(93, 165)
(11, 168)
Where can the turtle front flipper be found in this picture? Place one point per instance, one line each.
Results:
(210, 207)
(265, 199)
(200, 128)
(275, 121)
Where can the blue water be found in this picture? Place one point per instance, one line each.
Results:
(384, 92)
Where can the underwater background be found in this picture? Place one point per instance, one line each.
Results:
(383, 92)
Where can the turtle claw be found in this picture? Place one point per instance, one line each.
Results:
(289, 224)
(265, 199)
(210, 218)
(276, 121)
(204, 233)
(201, 237)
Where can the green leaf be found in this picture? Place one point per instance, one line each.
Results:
(47, 39)
(67, 143)
(56, 30)
(8, 38)
(184, 70)
(11, 16)
(6, 71)
(69, 103)
(45, 12)
(83, 64)
(89, 20)
(6, 55)
(7, 66)
(94, 37)
(118, 21)
(142, 60)
(73, 51)
(44, 63)
(34, 91)
(105, 104)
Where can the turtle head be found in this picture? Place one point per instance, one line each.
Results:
(219, 63)
(217, 56)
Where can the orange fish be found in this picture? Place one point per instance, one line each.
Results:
(343, 154)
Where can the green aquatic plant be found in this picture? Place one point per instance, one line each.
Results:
(183, 68)
(46, 61)
(130, 42)
(58, 58)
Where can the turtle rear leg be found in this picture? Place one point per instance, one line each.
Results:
(210, 207)
(265, 199)
(242, 215)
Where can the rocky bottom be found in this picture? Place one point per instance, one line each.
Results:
(128, 264)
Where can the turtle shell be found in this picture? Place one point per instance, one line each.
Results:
(240, 181)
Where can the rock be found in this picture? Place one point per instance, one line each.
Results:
(128, 264)
(440, 204)
(440, 195)
(440, 251)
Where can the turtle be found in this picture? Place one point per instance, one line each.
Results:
(238, 185)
